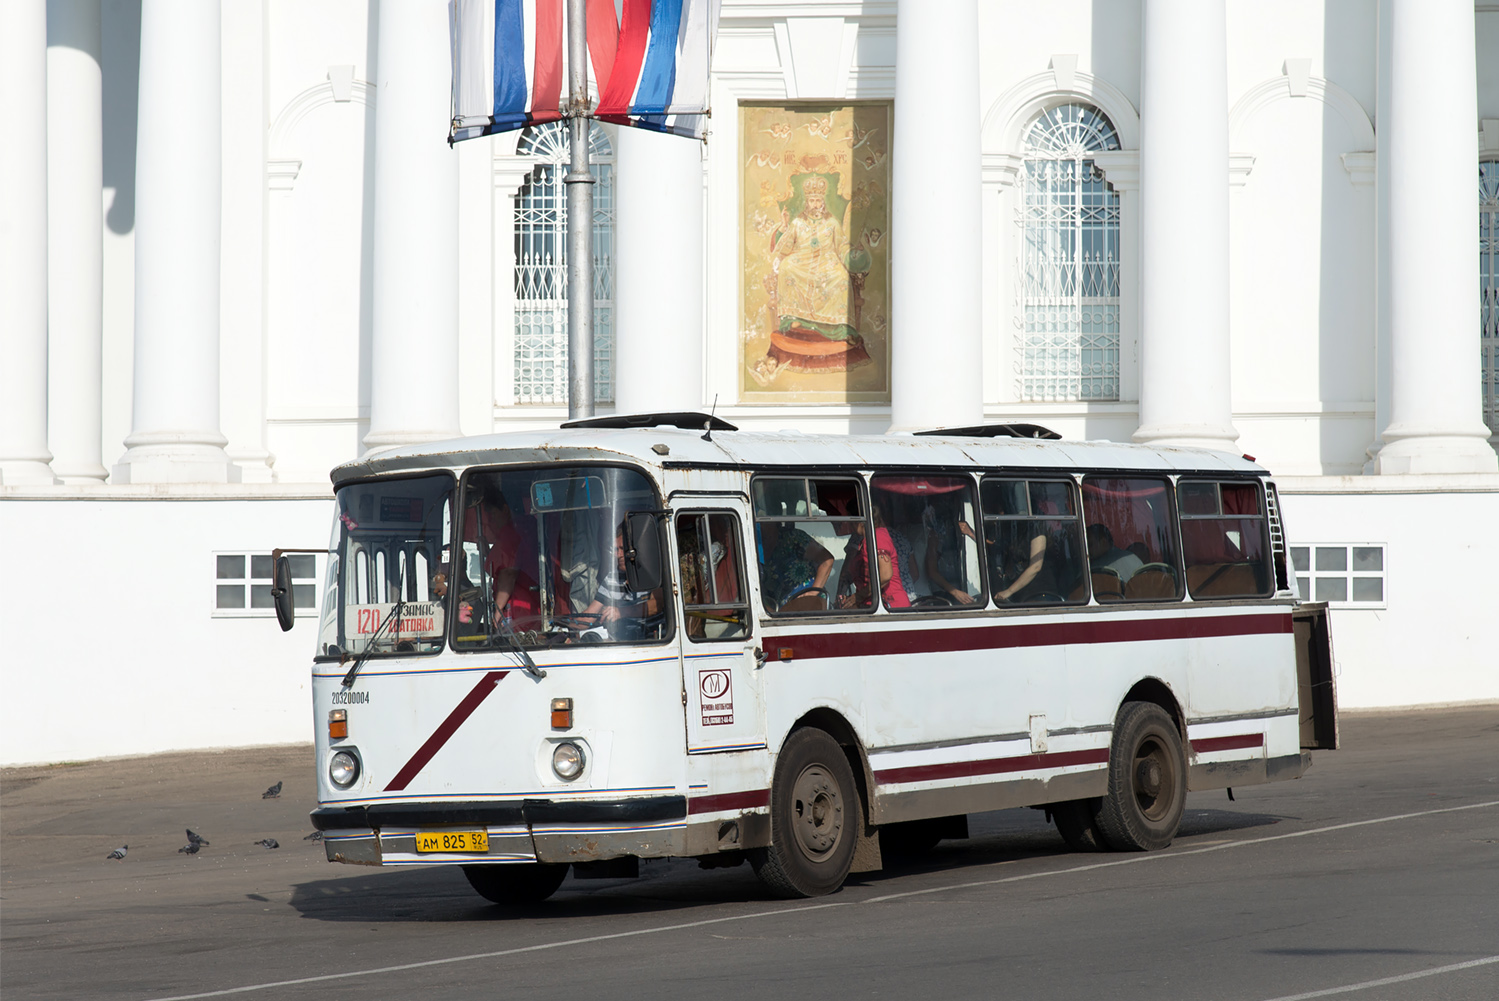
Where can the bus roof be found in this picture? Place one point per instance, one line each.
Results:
(664, 447)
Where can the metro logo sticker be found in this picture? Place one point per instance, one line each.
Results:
(715, 687)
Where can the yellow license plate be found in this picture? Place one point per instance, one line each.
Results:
(452, 841)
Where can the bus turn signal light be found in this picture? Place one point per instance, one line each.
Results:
(338, 724)
(562, 714)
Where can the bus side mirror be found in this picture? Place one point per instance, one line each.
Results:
(642, 552)
(281, 593)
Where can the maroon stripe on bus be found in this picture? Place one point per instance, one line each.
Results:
(440, 736)
(867, 642)
(1233, 743)
(749, 800)
(992, 766)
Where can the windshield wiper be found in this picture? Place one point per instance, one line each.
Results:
(520, 651)
(369, 648)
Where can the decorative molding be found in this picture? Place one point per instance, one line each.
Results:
(1267, 92)
(1001, 168)
(1007, 118)
(1121, 168)
(308, 101)
(1064, 70)
(1360, 167)
(1488, 135)
(280, 175)
(341, 79)
(1239, 166)
(1298, 76)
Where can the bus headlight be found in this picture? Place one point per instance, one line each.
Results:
(567, 761)
(343, 769)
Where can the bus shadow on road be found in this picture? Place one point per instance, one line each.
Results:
(442, 894)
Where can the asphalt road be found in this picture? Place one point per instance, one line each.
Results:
(1375, 877)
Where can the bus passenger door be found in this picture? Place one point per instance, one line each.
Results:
(720, 674)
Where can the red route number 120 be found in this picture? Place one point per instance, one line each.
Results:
(367, 620)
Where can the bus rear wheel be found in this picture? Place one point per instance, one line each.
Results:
(815, 815)
(516, 882)
(1147, 780)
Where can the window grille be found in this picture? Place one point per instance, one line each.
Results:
(1069, 247)
(541, 267)
(1347, 576)
(1488, 290)
(242, 584)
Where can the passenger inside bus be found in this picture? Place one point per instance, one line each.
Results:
(794, 565)
(1103, 554)
(854, 584)
(505, 561)
(623, 613)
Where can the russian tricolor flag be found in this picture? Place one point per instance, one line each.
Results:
(648, 63)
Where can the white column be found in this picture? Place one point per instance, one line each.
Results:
(23, 243)
(1184, 348)
(414, 356)
(75, 241)
(658, 273)
(242, 302)
(936, 225)
(1436, 416)
(174, 435)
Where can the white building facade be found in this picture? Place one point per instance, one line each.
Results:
(236, 250)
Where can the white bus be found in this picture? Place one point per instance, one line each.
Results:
(654, 636)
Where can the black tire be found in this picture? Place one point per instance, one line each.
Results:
(815, 816)
(1147, 780)
(516, 882)
(1077, 822)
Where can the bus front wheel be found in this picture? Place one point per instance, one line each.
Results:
(815, 817)
(516, 882)
(1147, 780)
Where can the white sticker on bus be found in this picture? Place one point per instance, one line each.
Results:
(716, 688)
(419, 619)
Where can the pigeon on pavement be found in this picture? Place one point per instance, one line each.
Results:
(314, 836)
(269, 842)
(273, 792)
(118, 853)
(191, 848)
(194, 838)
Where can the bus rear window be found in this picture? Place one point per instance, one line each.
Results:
(1225, 539)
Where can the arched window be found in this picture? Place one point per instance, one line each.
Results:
(541, 267)
(1069, 266)
(1488, 288)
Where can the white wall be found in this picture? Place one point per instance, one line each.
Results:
(110, 645)
(1435, 638)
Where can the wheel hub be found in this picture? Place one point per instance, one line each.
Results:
(818, 808)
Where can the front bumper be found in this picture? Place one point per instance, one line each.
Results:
(530, 830)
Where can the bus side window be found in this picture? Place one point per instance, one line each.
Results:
(811, 541)
(712, 576)
(1034, 542)
(1131, 539)
(1225, 539)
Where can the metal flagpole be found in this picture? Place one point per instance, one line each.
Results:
(579, 220)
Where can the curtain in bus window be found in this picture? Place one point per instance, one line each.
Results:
(1224, 539)
(928, 522)
(1033, 539)
(1131, 542)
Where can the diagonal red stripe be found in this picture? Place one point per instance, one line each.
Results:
(440, 736)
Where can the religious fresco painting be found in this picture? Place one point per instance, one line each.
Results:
(815, 214)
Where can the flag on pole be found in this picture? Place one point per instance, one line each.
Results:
(648, 64)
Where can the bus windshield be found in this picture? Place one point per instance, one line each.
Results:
(543, 555)
(391, 539)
